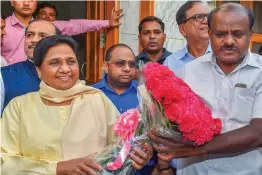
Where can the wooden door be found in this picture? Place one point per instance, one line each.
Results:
(98, 42)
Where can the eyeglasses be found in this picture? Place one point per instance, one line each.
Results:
(122, 63)
(197, 17)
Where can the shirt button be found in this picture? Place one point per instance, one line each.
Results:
(64, 118)
(121, 109)
(62, 108)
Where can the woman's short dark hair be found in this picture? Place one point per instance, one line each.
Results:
(45, 44)
(181, 13)
(149, 19)
(233, 7)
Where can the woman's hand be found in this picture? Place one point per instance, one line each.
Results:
(141, 158)
(80, 166)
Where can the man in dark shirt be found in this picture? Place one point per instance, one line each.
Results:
(21, 78)
(151, 38)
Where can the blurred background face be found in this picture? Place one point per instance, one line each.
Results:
(60, 68)
(2, 28)
(121, 68)
(35, 32)
(152, 37)
(230, 36)
(193, 28)
(47, 13)
(24, 8)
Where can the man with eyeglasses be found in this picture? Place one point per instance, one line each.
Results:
(118, 85)
(117, 82)
(192, 21)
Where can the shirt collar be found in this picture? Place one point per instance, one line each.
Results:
(143, 55)
(30, 63)
(248, 60)
(15, 21)
(184, 51)
(103, 84)
(209, 49)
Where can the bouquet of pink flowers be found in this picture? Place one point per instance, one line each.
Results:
(114, 159)
(167, 104)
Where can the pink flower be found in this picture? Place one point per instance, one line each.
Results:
(127, 124)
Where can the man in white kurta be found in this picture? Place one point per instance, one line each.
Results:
(229, 80)
(236, 99)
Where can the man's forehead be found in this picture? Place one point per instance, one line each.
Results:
(41, 27)
(151, 25)
(233, 18)
(47, 8)
(121, 53)
(24, 1)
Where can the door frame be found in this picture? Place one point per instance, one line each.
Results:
(98, 42)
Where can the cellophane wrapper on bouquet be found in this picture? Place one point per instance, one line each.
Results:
(115, 159)
(167, 104)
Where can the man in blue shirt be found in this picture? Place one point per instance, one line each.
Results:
(118, 83)
(192, 21)
(21, 78)
(151, 38)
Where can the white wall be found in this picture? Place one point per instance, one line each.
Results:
(166, 11)
(128, 33)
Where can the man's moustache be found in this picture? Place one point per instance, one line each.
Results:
(229, 48)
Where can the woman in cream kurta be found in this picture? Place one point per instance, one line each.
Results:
(49, 131)
(33, 133)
